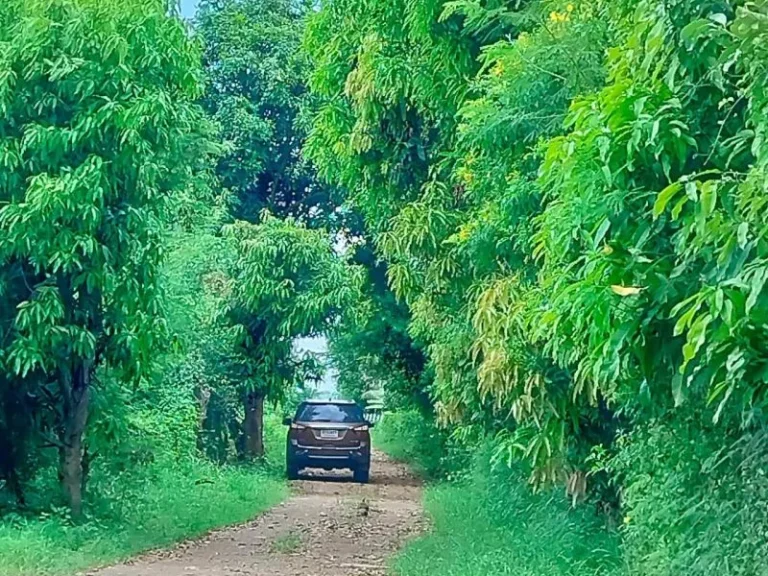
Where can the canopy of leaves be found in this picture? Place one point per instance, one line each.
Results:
(256, 89)
(289, 282)
(92, 129)
(569, 199)
(97, 117)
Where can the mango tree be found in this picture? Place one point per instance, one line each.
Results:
(256, 74)
(96, 105)
(290, 282)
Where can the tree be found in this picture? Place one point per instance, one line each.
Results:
(374, 351)
(256, 92)
(569, 197)
(96, 109)
(444, 170)
(289, 283)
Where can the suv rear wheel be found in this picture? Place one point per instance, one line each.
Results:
(361, 475)
(291, 470)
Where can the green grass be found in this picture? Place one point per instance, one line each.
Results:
(287, 544)
(490, 522)
(490, 527)
(164, 506)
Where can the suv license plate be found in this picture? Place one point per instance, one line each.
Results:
(330, 434)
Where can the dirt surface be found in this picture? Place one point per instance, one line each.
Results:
(330, 526)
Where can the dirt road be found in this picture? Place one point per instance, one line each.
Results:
(326, 528)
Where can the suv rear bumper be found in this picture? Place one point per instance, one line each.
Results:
(309, 457)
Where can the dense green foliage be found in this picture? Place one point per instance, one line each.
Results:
(121, 368)
(95, 117)
(289, 283)
(534, 225)
(568, 198)
(409, 437)
(375, 355)
(150, 485)
(256, 92)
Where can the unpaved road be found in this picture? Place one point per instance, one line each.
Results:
(332, 527)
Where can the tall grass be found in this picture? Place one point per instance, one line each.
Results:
(490, 523)
(149, 507)
(408, 437)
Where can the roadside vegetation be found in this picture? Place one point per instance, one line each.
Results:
(566, 200)
(132, 513)
(146, 358)
(536, 228)
(485, 519)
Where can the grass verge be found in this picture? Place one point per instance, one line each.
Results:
(490, 523)
(408, 437)
(163, 506)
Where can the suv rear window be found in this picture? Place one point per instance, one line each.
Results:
(329, 413)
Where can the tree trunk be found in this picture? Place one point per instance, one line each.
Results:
(14, 483)
(203, 395)
(254, 425)
(76, 387)
(88, 458)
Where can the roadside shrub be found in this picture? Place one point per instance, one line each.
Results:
(694, 501)
(491, 523)
(409, 437)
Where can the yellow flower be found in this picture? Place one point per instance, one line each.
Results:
(559, 16)
(569, 8)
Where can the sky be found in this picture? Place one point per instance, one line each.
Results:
(188, 8)
(319, 345)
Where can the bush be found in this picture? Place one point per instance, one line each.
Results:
(694, 502)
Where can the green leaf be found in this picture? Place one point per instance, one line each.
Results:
(678, 392)
(708, 197)
(741, 234)
(695, 30)
(602, 230)
(756, 287)
(607, 174)
(682, 323)
(720, 18)
(664, 197)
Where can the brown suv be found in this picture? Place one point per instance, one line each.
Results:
(329, 435)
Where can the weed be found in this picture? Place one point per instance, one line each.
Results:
(287, 543)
